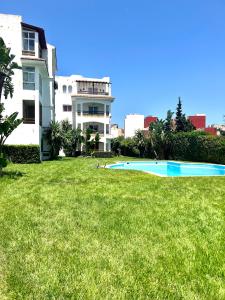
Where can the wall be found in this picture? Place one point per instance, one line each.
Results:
(132, 124)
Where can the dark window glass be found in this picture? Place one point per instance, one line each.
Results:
(28, 112)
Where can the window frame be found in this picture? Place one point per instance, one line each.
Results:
(28, 39)
(28, 82)
(27, 119)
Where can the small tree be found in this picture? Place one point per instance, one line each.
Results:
(55, 138)
(179, 117)
(140, 142)
(97, 139)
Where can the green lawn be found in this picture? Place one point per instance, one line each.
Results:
(71, 231)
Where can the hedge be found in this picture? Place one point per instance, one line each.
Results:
(102, 154)
(198, 147)
(22, 154)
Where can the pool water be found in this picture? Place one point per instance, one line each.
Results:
(169, 168)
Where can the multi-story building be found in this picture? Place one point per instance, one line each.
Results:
(86, 103)
(34, 94)
(132, 123)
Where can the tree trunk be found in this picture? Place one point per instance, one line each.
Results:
(2, 78)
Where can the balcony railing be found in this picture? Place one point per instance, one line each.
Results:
(92, 92)
(93, 113)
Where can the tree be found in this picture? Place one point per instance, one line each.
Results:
(182, 123)
(157, 138)
(140, 142)
(55, 138)
(11, 122)
(168, 124)
(97, 139)
(179, 117)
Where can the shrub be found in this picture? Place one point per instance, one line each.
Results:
(196, 146)
(23, 154)
(102, 154)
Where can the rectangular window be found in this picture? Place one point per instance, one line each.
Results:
(28, 112)
(67, 107)
(107, 110)
(78, 109)
(40, 114)
(40, 84)
(28, 78)
(107, 128)
(93, 110)
(29, 41)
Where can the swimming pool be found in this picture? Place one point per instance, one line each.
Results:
(170, 168)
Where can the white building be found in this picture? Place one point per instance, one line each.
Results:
(116, 131)
(34, 95)
(86, 103)
(132, 123)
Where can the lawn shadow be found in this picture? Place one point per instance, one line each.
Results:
(13, 174)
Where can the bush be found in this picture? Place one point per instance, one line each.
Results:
(195, 146)
(22, 154)
(102, 154)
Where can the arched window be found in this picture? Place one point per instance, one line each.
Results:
(70, 89)
(64, 89)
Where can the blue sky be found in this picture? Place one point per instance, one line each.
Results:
(154, 51)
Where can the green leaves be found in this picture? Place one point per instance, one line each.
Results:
(7, 67)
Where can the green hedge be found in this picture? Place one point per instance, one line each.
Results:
(102, 154)
(195, 146)
(22, 154)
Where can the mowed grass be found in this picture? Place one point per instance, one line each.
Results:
(71, 231)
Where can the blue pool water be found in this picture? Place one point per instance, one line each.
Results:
(169, 168)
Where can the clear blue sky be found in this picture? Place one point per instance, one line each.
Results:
(154, 51)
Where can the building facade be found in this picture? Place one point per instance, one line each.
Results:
(86, 103)
(34, 95)
(132, 123)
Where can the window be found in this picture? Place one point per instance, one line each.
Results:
(107, 110)
(29, 41)
(93, 127)
(40, 84)
(28, 112)
(107, 128)
(70, 89)
(93, 110)
(67, 107)
(40, 114)
(64, 89)
(78, 109)
(79, 125)
(29, 78)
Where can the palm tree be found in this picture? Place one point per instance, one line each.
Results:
(55, 138)
(7, 67)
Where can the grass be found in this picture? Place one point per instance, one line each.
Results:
(71, 231)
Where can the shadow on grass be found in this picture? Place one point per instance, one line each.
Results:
(12, 174)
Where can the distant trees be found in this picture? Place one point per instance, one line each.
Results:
(182, 124)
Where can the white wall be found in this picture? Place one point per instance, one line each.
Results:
(132, 124)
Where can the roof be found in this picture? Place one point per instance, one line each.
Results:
(41, 34)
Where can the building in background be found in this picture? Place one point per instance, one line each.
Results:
(34, 96)
(148, 120)
(198, 121)
(116, 131)
(86, 103)
(132, 123)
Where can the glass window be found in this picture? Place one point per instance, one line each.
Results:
(78, 109)
(64, 89)
(107, 128)
(29, 78)
(28, 112)
(29, 41)
(107, 110)
(70, 89)
(67, 107)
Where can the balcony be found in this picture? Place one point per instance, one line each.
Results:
(94, 113)
(92, 92)
(93, 88)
